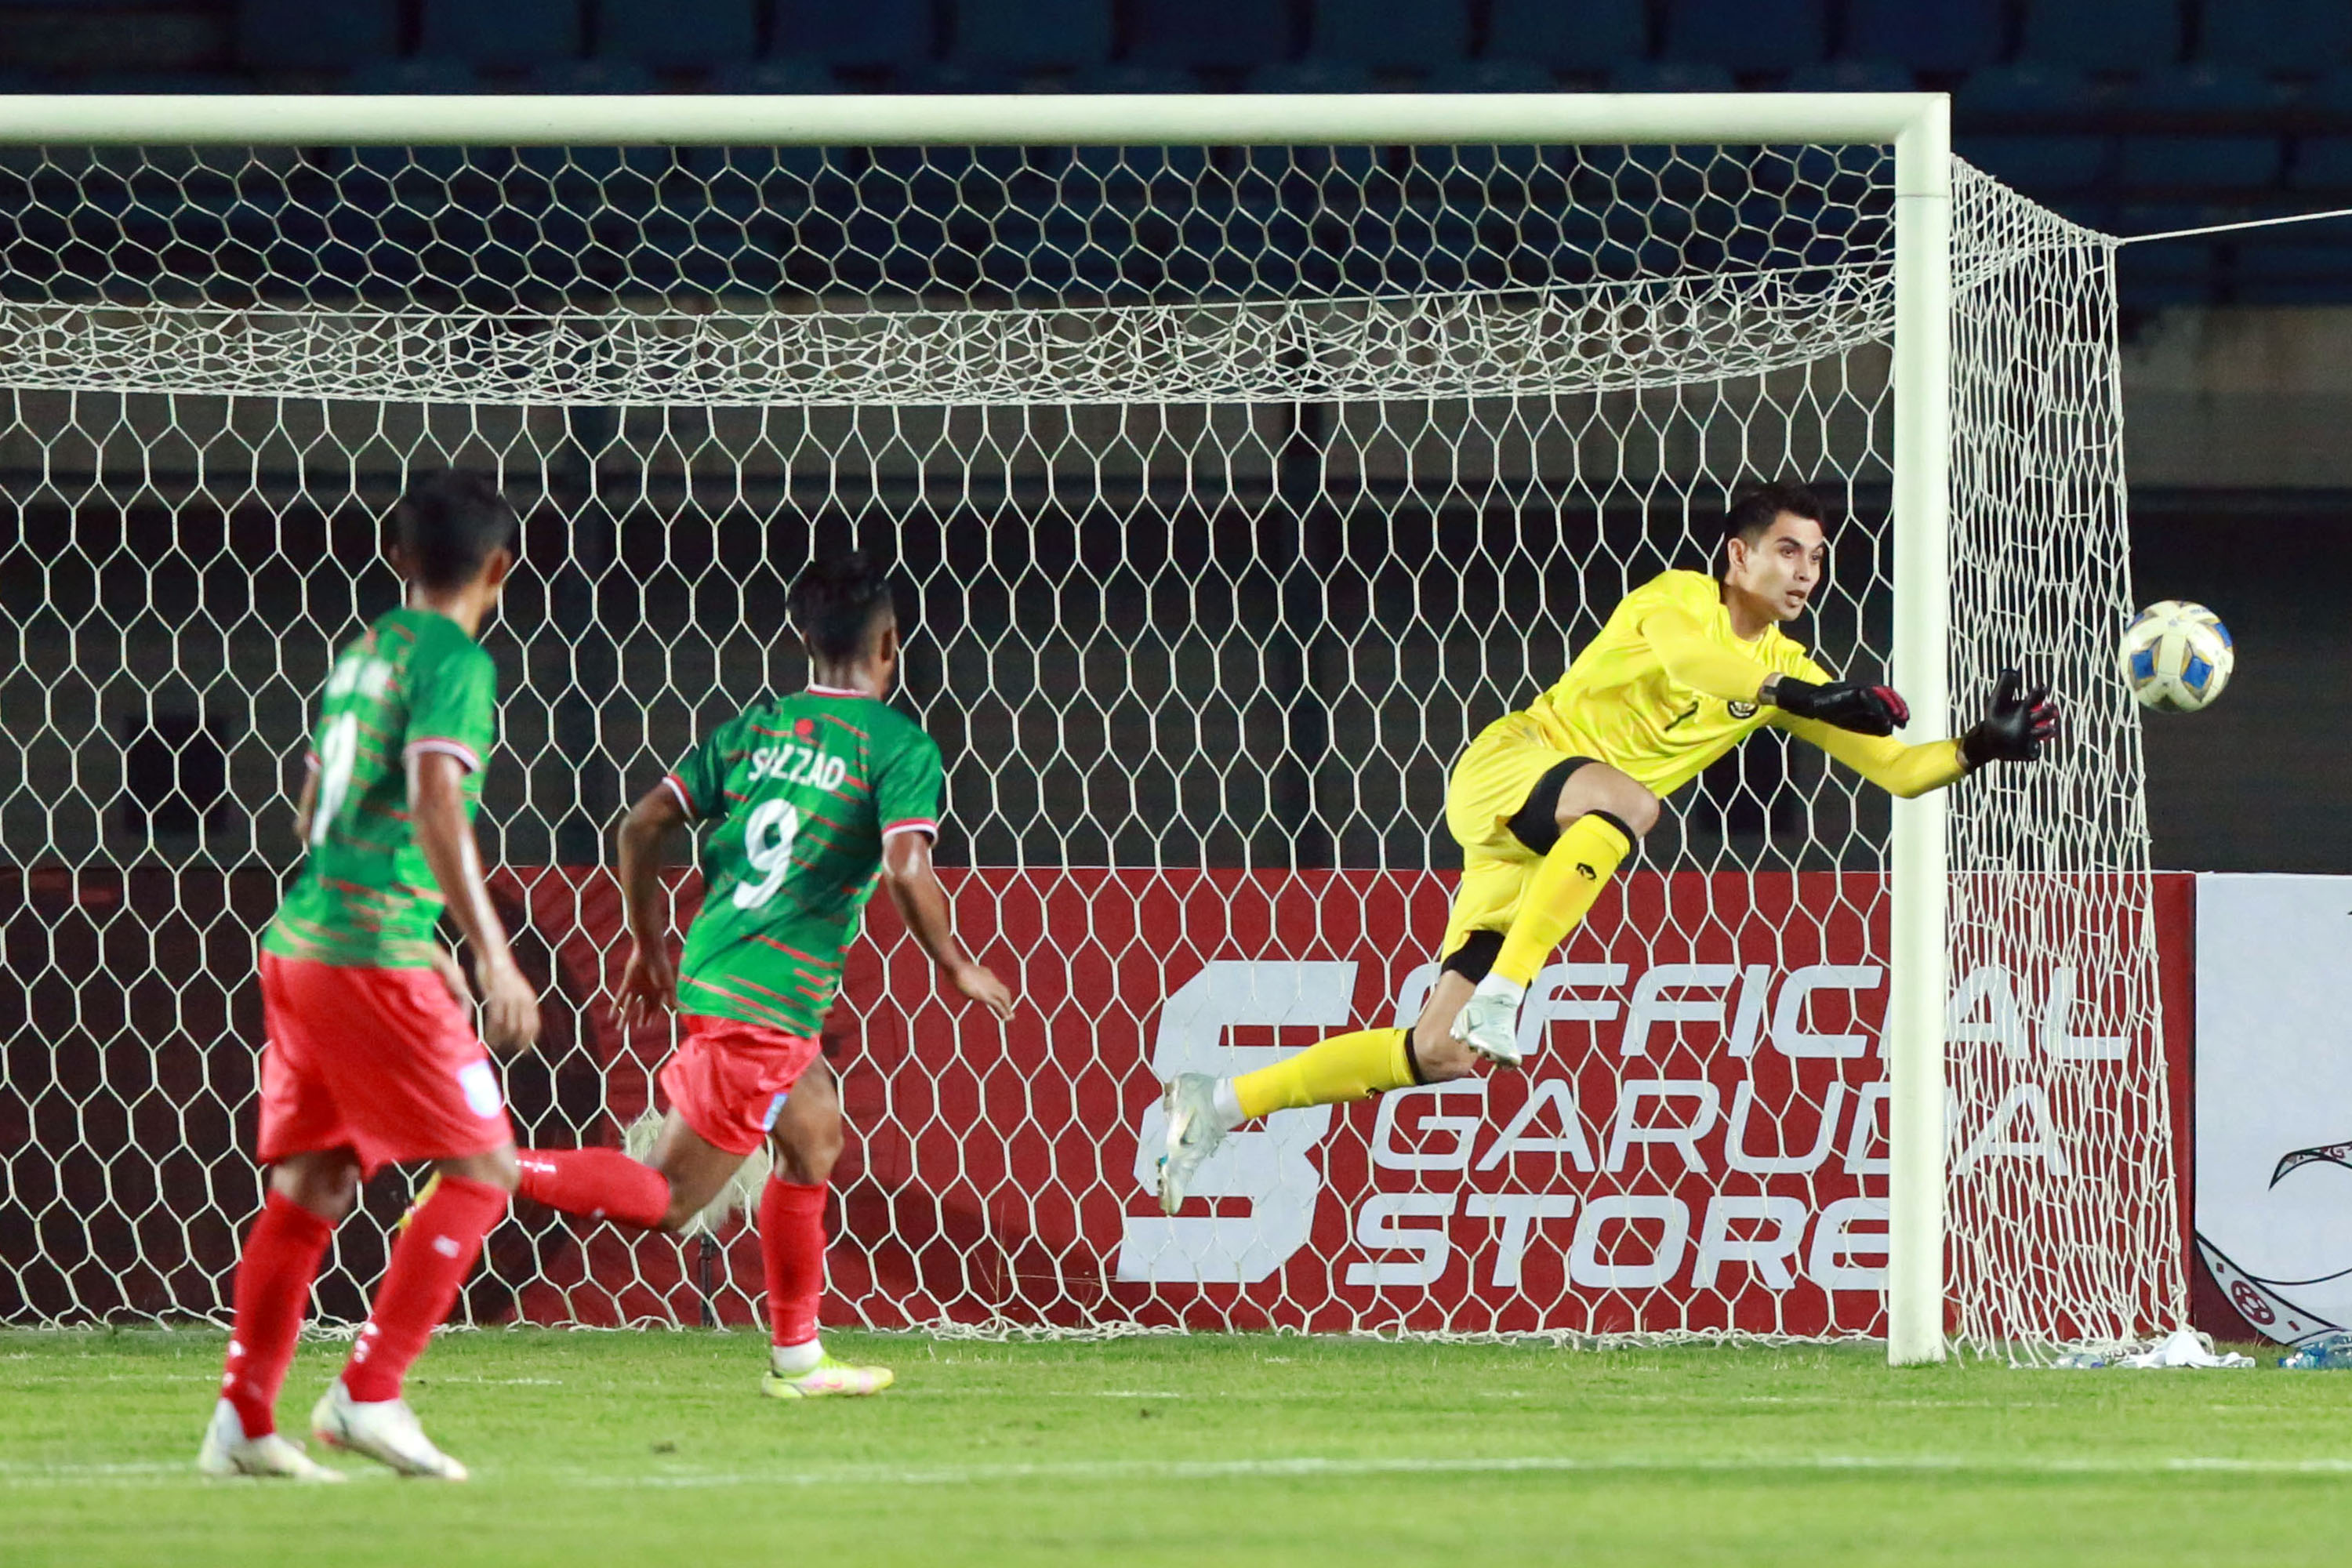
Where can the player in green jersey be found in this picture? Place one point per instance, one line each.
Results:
(811, 798)
(372, 1057)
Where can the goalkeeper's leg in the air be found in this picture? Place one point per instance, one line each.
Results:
(1527, 878)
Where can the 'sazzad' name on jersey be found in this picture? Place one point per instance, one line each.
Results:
(797, 765)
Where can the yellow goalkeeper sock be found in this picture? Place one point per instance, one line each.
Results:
(1330, 1072)
(1561, 894)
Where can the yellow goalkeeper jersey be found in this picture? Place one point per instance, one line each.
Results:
(1667, 687)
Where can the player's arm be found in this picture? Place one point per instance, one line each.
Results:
(2013, 729)
(436, 815)
(1691, 659)
(649, 983)
(307, 801)
(922, 903)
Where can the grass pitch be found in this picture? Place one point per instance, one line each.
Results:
(656, 1448)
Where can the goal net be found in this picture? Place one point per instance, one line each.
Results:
(1232, 489)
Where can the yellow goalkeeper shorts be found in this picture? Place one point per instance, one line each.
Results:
(1490, 785)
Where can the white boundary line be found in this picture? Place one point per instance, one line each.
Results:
(1311, 1467)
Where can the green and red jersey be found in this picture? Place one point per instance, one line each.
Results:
(804, 789)
(412, 682)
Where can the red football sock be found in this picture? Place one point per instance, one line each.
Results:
(429, 1261)
(594, 1184)
(791, 1245)
(273, 1285)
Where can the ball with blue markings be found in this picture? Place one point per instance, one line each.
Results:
(2177, 656)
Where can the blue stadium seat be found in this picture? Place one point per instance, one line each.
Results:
(1134, 80)
(2040, 162)
(1491, 76)
(1746, 35)
(2103, 35)
(1925, 35)
(1672, 75)
(868, 34)
(2040, 165)
(1391, 35)
(509, 35)
(2298, 35)
(2321, 164)
(2298, 271)
(787, 74)
(302, 34)
(1312, 76)
(952, 76)
(2031, 88)
(1851, 76)
(423, 75)
(2236, 161)
(1240, 35)
(1591, 37)
(1033, 34)
(589, 77)
(678, 34)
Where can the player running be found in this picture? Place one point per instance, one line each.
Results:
(1546, 802)
(370, 1057)
(814, 797)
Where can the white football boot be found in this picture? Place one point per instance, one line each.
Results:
(385, 1431)
(1194, 1130)
(1489, 1022)
(227, 1451)
(828, 1379)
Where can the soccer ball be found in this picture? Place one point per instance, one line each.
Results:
(2177, 656)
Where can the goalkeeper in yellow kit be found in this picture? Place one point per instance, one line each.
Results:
(1547, 801)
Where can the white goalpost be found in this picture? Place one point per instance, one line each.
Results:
(1244, 456)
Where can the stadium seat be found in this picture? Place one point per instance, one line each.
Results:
(955, 77)
(1850, 76)
(2321, 164)
(1925, 35)
(1239, 35)
(421, 74)
(870, 34)
(2297, 271)
(2236, 161)
(1490, 76)
(2297, 36)
(1672, 75)
(1391, 35)
(1591, 37)
(1129, 78)
(678, 34)
(1033, 34)
(783, 75)
(302, 35)
(509, 35)
(2103, 35)
(1312, 76)
(1745, 34)
(589, 77)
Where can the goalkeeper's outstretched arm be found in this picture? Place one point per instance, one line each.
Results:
(2013, 729)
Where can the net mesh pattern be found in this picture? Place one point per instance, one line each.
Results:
(1232, 491)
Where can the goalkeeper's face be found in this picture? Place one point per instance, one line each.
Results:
(1778, 570)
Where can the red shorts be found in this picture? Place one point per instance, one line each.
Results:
(383, 1061)
(728, 1080)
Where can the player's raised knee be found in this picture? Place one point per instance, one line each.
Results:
(1604, 791)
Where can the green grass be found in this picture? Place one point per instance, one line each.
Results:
(655, 1448)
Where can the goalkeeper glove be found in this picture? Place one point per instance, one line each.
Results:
(2020, 721)
(1847, 704)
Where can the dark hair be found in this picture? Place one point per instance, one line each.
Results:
(1752, 515)
(447, 523)
(836, 603)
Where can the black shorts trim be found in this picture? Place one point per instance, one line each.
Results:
(1474, 957)
(1537, 822)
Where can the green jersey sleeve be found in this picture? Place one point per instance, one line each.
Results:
(453, 702)
(699, 780)
(906, 785)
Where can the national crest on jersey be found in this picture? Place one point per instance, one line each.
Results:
(803, 791)
(413, 682)
(1618, 704)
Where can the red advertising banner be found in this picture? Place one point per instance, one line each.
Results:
(1696, 1142)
